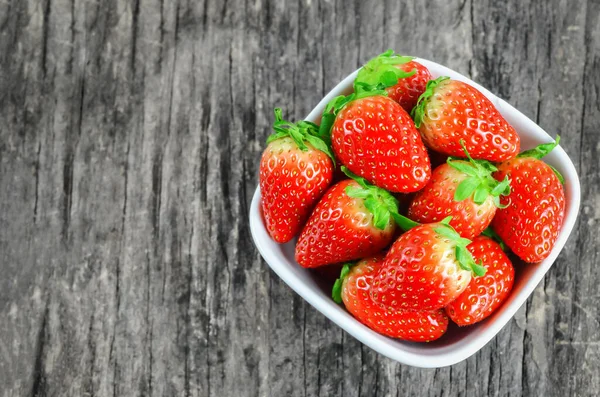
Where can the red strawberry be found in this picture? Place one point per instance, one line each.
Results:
(353, 289)
(535, 210)
(353, 220)
(484, 294)
(408, 90)
(451, 110)
(295, 170)
(403, 79)
(377, 140)
(425, 269)
(464, 190)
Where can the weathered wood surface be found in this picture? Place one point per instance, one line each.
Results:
(130, 133)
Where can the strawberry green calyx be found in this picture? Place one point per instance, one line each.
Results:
(463, 256)
(480, 182)
(381, 71)
(300, 132)
(379, 202)
(418, 111)
(542, 150)
(336, 291)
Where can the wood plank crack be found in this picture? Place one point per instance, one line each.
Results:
(36, 176)
(91, 345)
(46, 27)
(39, 381)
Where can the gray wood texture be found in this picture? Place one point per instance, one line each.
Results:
(130, 134)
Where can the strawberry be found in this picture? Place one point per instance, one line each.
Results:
(464, 190)
(403, 79)
(353, 220)
(535, 210)
(490, 233)
(353, 289)
(483, 294)
(450, 110)
(295, 170)
(425, 269)
(376, 139)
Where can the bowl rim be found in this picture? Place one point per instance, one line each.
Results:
(447, 355)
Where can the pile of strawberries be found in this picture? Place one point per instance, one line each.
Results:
(414, 245)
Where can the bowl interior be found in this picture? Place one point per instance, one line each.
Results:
(458, 343)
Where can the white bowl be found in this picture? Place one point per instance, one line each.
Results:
(459, 343)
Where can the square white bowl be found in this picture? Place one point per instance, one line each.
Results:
(459, 343)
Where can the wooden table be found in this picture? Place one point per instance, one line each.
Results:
(130, 133)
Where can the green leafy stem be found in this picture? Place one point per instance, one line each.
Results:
(381, 72)
(379, 202)
(480, 183)
(300, 132)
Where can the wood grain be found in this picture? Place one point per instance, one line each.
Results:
(130, 133)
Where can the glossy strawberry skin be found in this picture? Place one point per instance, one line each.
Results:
(420, 272)
(412, 325)
(340, 229)
(376, 139)
(436, 201)
(533, 219)
(291, 183)
(484, 294)
(458, 111)
(408, 89)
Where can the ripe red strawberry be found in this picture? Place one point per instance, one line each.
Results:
(535, 210)
(295, 170)
(425, 269)
(486, 293)
(464, 190)
(353, 288)
(451, 110)
(404, 80)
(377, 140)
(353, 220)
